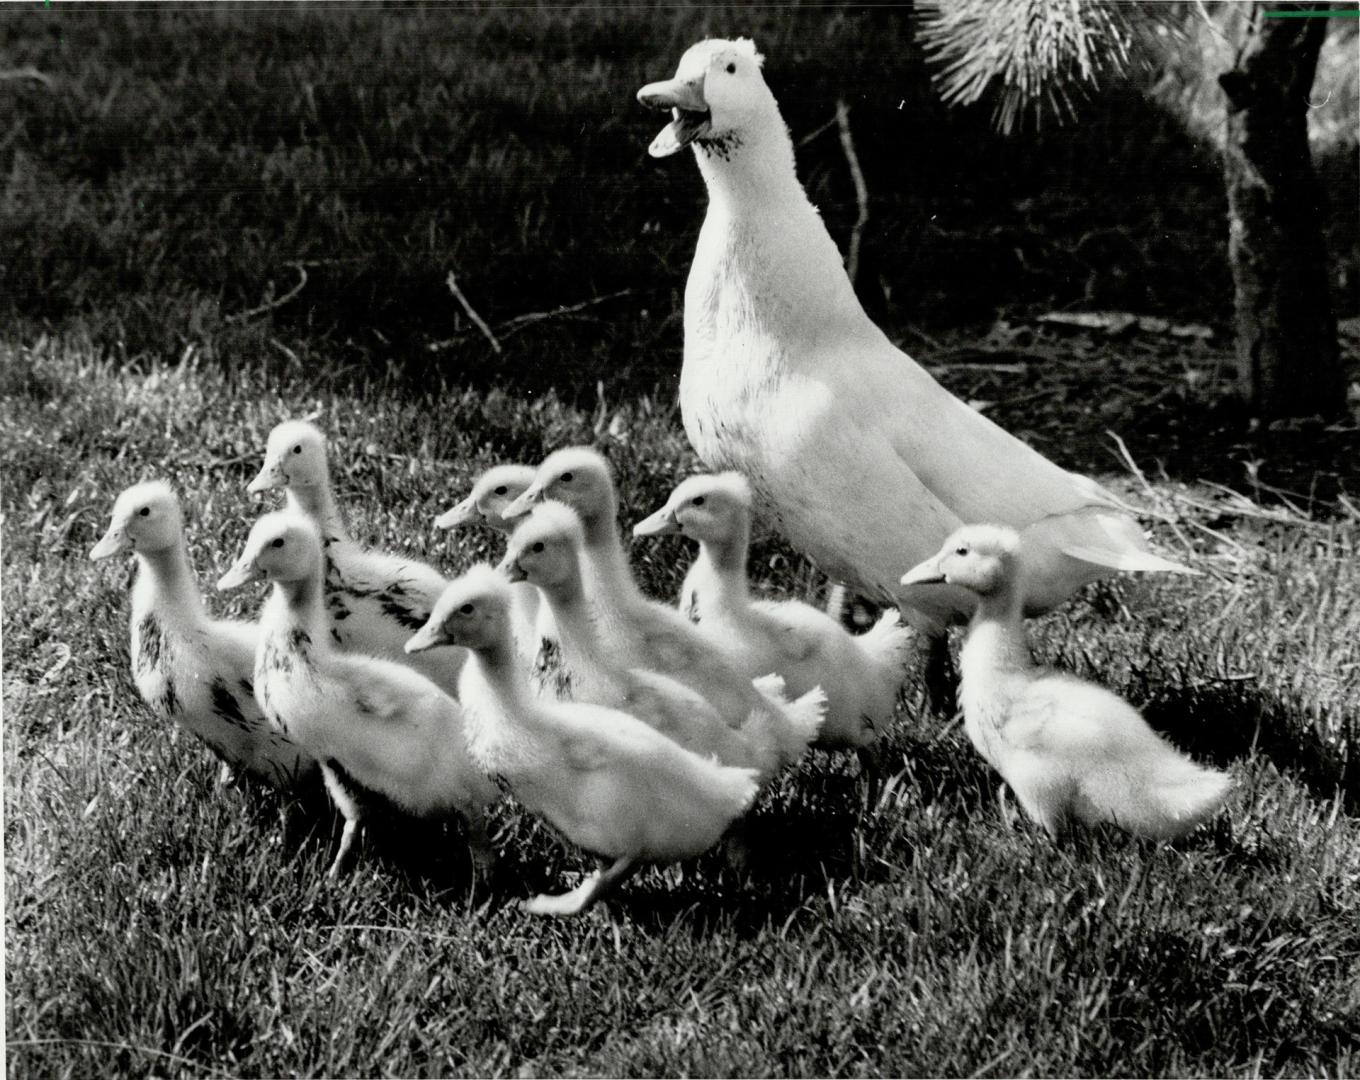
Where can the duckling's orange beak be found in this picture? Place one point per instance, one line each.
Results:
(662, 523)
(270, 477)
(926, 573)
(430, 636)
(242, 571)
(113, 542)
(528, 499)
(462, 514)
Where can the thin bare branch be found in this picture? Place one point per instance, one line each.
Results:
(270, 305)
(861, 188)
(452, 282)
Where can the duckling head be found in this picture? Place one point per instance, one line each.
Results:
(717, 98)
(712, 509)
(494, 490)
(283, 546)
(294, 456)
(146, 518)
(984, 559)
(472, 611)
(577, 476)
(546, 549)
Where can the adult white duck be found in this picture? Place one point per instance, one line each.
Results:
(854, 452)
(374, 600)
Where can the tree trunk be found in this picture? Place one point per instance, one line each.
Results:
(1288, 362)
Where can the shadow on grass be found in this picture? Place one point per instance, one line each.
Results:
(1224, 722)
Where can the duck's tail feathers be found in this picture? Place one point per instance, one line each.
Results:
(731, 788)
(785, 727)
(1123, 559)
(1168, 797)
(887, 644)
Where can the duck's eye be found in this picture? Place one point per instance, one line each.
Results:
(298, 448)
(501, 490)
(698, 500)
(537, 547)
(466, 609)
(566, 478)
(731, 69)
(276, 542)
(961, 550)
(145, 511)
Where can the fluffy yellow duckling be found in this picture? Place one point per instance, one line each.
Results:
(635, 631)
(861, 675)
(546, 551)
(374, 600)
(1071, 750)
(188, 667)
(532, 621)
(611, 784)
(375, 726)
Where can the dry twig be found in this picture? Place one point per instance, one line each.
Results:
(270, 305)
(477, 320)
(861, 188)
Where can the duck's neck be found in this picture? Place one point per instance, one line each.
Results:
(300, 605)
(722, 564)
(762, 230)
(607, 558)
(166, 582)
(567, 599)
(317, 501)
(996, 635)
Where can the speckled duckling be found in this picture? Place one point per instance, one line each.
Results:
(374, 600)
(189, 668)
(376, 727)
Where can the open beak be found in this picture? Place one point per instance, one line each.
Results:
(429, 636)
(243, 571)
(530, 497)
(926, 573)
(114, 542)
(662, 523)
(271, 477)
(685, 99)
(460, 515)
(512, 570)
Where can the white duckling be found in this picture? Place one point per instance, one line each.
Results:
(546, 552)
(861, 675)
(635, 631)
(374, 725)
(374, 600)
(188, 667)
(532, 621)
(611, 784)
(854, 452)
(1071, 750)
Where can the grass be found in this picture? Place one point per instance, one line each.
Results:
(159, 925)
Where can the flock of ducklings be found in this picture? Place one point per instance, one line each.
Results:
(640, 731)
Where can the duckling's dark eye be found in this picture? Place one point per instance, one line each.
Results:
(731, 69)
(537, 547)
(698, 500)
(297, 449)
(466, 609)
(501, 490)
(276, 542)
(961, 551)
(145, 511)
(566, 478)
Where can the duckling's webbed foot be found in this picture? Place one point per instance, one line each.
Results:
(579, 899)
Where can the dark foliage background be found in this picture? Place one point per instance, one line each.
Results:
(172, 166)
